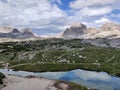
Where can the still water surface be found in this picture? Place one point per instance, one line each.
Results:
(90, 79)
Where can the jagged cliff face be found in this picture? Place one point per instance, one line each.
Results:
(76, 30)
(15, 33)
(108, 30)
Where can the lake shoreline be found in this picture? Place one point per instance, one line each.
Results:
(14, 82)
(74, 67)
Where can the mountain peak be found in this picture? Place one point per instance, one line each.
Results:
(77, 25)
(76, 30)
(28, 32)
(81, 31)
(15, 31)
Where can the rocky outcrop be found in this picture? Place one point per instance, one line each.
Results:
(103, 42)
(108, 35)
(75, 31)
(108, 30)
(28, 32)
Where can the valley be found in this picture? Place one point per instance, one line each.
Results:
(59, 55)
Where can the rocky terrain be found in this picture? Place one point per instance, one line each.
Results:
(21, 83)
(50, 54)
(108, 30)
(75, 31)
(37, 83)
(108, 35)
(104, 42)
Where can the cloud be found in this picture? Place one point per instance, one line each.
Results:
(102, 20)
(77, 4)
(92, 11)
(33, 13)
(47, 14)
(95, 11)
(115, 15)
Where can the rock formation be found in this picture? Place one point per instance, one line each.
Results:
(27, 33)
(15, 33)
(75, 31)
(108, 30)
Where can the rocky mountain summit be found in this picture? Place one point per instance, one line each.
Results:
(76, 30)
(108, 30)
(6, 32)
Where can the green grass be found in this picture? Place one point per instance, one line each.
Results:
(66, 67)
(47, 67)
(50, 52)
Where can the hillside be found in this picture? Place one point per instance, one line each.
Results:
(50, 54)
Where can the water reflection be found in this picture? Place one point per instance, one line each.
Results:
(91, 79)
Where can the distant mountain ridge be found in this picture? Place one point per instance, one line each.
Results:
(108, 30)
(6, 32)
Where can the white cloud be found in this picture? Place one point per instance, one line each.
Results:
(30, 13)
(46, 14)
(102, 20)
(77, 4)
(88, 15)
(95, 11)
(64, 27)
(90, 11)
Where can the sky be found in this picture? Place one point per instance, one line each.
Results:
(50, 17)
